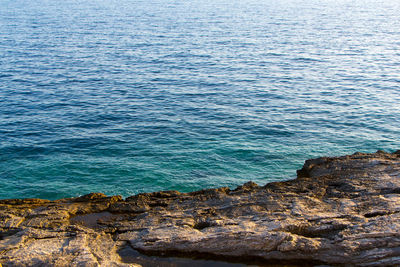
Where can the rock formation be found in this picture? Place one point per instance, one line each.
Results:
(338, 211)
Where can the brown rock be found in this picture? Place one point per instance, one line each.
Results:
(339, 211)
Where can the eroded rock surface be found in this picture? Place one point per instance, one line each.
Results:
(338, 211)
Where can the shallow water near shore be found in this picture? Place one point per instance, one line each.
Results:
(123, 97)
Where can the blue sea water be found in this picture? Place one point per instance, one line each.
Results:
(128, 96)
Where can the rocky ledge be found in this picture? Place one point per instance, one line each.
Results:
(338, 211)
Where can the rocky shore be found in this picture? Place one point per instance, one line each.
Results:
(338, 211)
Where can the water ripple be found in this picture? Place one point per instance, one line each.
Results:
(124, 96)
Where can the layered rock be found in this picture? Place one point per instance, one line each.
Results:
(338, 211)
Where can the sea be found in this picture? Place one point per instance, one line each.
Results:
(130, 96)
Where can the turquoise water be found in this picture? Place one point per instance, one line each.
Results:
(128, 96)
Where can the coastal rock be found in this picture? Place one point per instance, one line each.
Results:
(338, 211)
